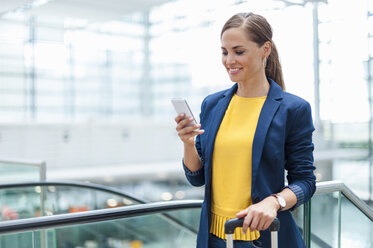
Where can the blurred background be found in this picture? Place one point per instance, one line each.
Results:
(85, 89)
(85, 86)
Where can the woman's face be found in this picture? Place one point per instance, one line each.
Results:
(242, 58)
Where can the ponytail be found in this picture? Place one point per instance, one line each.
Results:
(273, 67)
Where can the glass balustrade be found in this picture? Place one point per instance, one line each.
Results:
(324, 220)
(337, 219)
(298, 217)
(19, 240)
(148, 231)
(34, 201)
(189, 218)
(356, 228)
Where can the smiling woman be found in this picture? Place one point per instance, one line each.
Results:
(244, 60)
(254, 38)
(250, 134)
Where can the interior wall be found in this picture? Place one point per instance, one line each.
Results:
(82, 145)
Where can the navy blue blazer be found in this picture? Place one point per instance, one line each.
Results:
(282, 141)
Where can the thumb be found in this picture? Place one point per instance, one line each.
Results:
(241, 214)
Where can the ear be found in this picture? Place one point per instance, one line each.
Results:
(267, 48)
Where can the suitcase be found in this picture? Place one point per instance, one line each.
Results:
(230, 226)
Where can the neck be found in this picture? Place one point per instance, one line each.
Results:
(254, 87)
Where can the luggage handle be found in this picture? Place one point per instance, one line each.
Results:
(232, 224)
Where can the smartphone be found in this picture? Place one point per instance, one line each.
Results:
(181, 106)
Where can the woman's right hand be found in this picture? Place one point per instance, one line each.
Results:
(187, 133)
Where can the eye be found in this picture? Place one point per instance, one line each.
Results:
(224, 53)
(240, 52)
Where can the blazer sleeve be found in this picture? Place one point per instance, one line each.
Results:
(299, 154)
(197, 178)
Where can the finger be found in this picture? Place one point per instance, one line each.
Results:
(187, 136)
(261, 224)
(254, 223)
(268, 223)
(246, 223)
(198, 132)
(266, 226)
(241, 214)
(179, 117)
(190, 129)
(184, 122)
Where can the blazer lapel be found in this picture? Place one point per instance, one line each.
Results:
(269, 109)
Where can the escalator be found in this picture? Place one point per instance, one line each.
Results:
(78, 202)
(34, 199)
(131, 226)
(334, 217)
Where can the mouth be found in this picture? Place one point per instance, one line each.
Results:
(234, 70)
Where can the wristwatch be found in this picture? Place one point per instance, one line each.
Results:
(281, 201)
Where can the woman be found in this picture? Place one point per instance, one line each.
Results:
(250, 134)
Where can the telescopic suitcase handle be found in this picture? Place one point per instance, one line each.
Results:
(232, 224)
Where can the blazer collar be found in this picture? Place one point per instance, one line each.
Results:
(275, 91)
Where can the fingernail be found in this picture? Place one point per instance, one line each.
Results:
(191, 118)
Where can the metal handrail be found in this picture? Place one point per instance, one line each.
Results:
(338, 186)
(21, 161)
(53, 221)
(151, 208)
(37, 163)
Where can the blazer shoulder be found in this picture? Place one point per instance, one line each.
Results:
(213, 98)
(217, 95)
(294, 101)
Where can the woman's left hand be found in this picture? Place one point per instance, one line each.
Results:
(259, 216)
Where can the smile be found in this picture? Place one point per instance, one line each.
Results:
(234, 70)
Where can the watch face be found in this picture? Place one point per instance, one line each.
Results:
(281, 200)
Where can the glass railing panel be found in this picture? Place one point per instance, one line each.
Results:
(26, 202)
(189, 218)
(298, 217)
(18, 171)
(147, 231)
(356, 228)
(324, 220)
(19, 240)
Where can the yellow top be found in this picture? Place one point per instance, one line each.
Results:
(231, 170)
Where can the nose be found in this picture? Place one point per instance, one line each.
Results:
(230, 59)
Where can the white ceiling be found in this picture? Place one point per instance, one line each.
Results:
(8, 5)
(94, 10)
